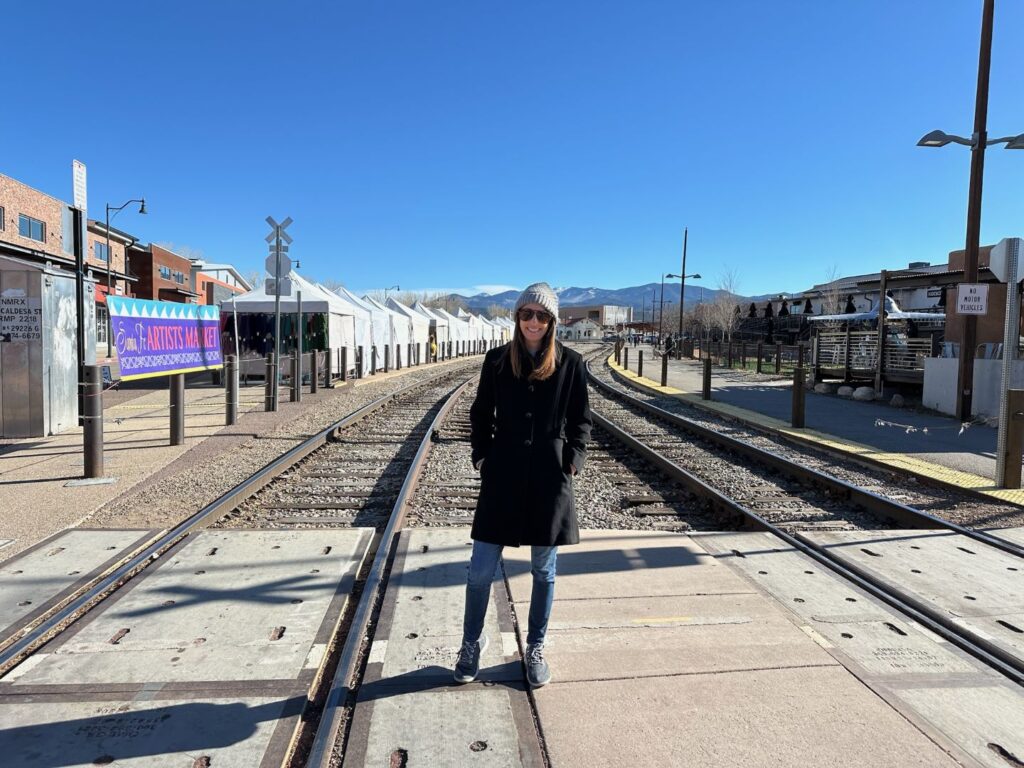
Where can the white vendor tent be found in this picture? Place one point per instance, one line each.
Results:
(419, 329)
(438, 323)
(328, 322)
(378, 331)
(458, 329)
(396, 333)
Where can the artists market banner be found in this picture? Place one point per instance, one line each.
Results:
(158, 338)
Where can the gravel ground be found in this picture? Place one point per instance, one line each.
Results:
(206, 472)
(447, 493)
(956, 507)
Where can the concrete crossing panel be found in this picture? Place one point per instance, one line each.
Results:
(420, 627)
(39, 578)
(615, 564)
(230, 733)
(822, 717)
(979, 587)
(225, 606)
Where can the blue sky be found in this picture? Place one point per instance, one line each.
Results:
(439, 144)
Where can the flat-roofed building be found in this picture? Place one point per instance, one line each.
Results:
(605, 315)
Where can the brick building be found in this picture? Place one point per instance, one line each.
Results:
(162, 274)
(32, 225)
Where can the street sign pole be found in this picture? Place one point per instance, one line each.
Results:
(277, 263)
(277, 318)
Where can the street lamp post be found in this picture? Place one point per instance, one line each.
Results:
(110, 258)
(978, 142)
(392, 288)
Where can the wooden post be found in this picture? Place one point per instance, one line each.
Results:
(880, 358)
(231, 398)
(344, 364)
(778, 359)
(314, 371)
(705, 390)
(664, 370)
(625, 358)
(798, 398)
(1014, 438)
(640, 363)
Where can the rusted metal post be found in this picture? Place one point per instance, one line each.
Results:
(640, 363)
(1012, 456)
(92, 420)
(314, 371)
(778, 359)
(296, 393)
(799, 398)
(387, 358)
(398, 357)
(705, 390)
(270, 383)
(231, 397)
(625, 359)
(664, 370)
(177, 388)
(344, 364)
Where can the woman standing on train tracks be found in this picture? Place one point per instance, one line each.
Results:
(530, 424)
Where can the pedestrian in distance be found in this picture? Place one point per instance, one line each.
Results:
(433, 349)
(529, 427)
(669, 346)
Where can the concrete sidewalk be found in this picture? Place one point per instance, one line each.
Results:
(936, 445)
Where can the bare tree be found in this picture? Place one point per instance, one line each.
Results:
(254, 278)
(332, 284)
(831, 297)
(723, 309)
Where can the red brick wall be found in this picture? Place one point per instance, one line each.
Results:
(117, 259)
(16, 198)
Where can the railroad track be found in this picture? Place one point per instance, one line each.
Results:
(403, 462)
(238, 503)
(759, 489)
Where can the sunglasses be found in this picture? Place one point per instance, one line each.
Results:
(528, 314)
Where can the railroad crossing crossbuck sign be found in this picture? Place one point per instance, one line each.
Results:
(278, 264)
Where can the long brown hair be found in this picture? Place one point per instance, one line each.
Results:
(517, 350)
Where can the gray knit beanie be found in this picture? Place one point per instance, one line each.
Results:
(539, 293)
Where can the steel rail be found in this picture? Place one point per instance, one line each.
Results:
(344, 683)
(872, 502)
(93, 592)
(799, 441)
(980, 647)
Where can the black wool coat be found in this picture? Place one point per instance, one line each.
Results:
(530, 434)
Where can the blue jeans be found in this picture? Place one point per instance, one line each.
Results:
(482, 567)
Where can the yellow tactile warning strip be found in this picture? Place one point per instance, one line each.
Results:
(902, 462)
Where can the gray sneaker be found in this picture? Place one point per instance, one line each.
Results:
(468, 665)
(537, 671)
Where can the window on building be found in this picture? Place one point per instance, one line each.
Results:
(179, 277)
(3, 219)
(165, 273)
(102, 251)
(31, 228)
(101, 324)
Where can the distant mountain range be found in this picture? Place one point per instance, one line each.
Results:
(639, 297)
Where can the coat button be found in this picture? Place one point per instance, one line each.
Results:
(527, 443)
(529, 415)
(530, 388)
